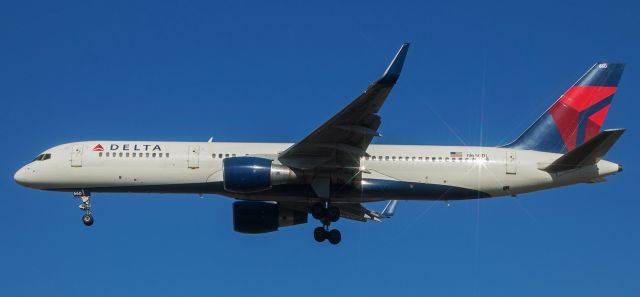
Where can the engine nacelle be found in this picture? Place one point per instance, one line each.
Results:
(261, 217)
(251, 174)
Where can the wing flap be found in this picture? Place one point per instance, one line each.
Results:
(351, 211)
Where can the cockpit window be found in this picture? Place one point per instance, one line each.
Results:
(42, 157)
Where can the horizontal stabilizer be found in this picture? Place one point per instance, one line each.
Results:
(589, 153)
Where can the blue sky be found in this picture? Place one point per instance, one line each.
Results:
(477, 73)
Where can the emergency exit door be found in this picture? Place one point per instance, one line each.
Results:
(511, 162)
(194, 156)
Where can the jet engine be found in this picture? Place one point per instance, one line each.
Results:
(261, 217)
(246, 175)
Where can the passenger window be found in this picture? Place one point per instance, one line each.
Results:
(160, 155)
(373, 158)
(386, 158)
(167, 155)
(127, 155)
(220, 156)
(120, 154)
(153, 155)
(446, 159)
(393, 158)
(419, 158)
(100, 154)
(233, 155)
(147, 154)
(107, 154)
(226, 155)
(133, 155)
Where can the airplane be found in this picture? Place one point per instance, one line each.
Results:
(335, 169)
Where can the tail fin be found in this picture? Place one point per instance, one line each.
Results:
(577, 116)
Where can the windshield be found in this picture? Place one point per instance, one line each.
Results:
(42, 157)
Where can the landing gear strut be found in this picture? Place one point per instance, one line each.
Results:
(85, 206)
(326, 214)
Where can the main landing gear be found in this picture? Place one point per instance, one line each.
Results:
(327, 214)
(85, 206)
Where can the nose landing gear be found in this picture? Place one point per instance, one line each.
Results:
(85, 206)
(326, 214)
(87, 219)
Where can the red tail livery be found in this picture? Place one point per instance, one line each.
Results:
(577, 116)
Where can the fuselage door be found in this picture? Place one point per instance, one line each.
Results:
(511, 162)
(76, 155)
(194, 156)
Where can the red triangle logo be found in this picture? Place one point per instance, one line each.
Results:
(98, 148)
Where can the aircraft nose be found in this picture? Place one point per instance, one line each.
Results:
(21, 176)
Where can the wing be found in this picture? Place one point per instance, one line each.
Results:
(357, 212)
(352, 211)
(343, 140)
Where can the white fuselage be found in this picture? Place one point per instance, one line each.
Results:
(195, 167)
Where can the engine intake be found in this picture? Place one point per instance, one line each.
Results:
(255, 217)
(252, 174)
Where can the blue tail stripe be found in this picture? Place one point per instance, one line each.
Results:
(584, 116)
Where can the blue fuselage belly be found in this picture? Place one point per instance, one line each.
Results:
(372, 190)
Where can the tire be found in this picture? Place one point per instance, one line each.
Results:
(87, 220)
(333, 214)
(317, 211)
(334, 236)
(319, 234)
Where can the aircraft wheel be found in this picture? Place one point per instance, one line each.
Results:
(333, 214)
(319, 234)
(334, 236)
(87, 219)
(317, 211)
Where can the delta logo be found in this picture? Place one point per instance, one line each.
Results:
(129, 147)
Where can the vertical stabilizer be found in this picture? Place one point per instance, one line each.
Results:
(578, 114)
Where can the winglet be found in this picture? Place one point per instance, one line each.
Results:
(392, 73)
